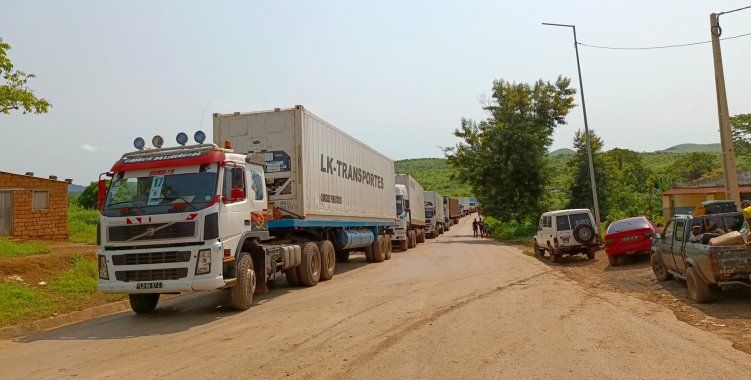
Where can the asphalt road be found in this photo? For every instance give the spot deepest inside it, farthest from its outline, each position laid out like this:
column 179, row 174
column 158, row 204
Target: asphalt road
column 454, row 307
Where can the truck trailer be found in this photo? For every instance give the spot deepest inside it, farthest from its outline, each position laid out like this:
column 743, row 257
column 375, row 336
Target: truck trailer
column 280, row 193
column 447, row 222
column 410, row 210
column 434, row 214
column 455, row 211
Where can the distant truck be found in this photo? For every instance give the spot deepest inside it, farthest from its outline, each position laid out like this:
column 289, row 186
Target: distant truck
column 455, row 211
column 293, row 196
column 472, row 205
column 680, row 252
column 465, row 206
column 434, row 214
column 410, row 210
column 447, row 222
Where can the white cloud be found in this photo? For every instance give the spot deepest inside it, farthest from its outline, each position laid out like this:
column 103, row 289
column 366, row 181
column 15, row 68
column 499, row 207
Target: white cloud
column 89, row 148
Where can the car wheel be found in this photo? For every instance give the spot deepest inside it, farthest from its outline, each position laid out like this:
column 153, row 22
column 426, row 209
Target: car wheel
column 539, row 251
column 698, row 290
column 659, row 268
column 613, row 260
column 555, row 257
column 590, row 255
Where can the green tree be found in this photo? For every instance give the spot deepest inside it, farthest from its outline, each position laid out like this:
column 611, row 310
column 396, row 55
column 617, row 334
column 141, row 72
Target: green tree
column 740, row 126
column 580, row 190
column 503, row 158
column 692, row 166
column 14, row 94
column 88, row 198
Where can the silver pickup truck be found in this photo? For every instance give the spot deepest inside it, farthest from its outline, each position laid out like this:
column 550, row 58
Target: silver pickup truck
column 704, row 267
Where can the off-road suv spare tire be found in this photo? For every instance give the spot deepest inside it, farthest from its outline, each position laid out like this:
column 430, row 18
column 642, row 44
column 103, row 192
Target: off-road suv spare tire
column 584, row 233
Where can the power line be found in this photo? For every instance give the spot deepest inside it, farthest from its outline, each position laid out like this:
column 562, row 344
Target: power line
column 661, row 47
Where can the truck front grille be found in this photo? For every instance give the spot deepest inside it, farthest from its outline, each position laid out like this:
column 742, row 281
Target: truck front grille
column 151, row 258
column 151, row 274
column 158, row 231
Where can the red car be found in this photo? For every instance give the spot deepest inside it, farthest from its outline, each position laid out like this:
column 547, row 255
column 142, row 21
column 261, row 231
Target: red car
column 628, row 236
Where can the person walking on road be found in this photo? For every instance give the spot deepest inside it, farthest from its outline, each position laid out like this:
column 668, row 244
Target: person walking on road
column 481, row 227
column 474, row 227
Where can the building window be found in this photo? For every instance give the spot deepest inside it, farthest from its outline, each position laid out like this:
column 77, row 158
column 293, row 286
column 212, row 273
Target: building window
column 40, row 200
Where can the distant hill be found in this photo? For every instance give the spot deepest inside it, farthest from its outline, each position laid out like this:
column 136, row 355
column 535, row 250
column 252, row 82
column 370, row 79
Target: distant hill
column 693, row 148
column 73, row 188
column 562, row 152
column 434, row 174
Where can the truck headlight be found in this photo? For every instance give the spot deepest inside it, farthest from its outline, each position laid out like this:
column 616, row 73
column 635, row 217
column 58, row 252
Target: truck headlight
column 104, row 273
column 203, row 265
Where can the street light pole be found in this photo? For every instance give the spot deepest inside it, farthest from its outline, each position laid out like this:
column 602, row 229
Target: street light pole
column 586, row 126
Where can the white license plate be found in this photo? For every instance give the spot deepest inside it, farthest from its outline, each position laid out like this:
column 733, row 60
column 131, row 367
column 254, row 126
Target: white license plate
column 149, row 285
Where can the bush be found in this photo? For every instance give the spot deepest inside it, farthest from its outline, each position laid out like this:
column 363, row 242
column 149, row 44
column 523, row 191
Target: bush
column 82, row 224
column 512, row 232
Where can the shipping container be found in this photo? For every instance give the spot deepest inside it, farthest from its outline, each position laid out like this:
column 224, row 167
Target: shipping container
column 314, row 172
column 454, row 210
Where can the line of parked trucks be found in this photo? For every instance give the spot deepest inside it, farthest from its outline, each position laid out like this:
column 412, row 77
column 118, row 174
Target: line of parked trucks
column 279, row 193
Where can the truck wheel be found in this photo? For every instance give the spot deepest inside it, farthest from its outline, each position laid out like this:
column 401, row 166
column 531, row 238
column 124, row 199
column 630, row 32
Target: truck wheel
column 342, row 256
column 403, row 246
column 328, row 259
column 245, row 283
column 387, row 244
column 421, row 236
column 291, row 275
column 143, row 302
column 448, row 227
column 379, row 253
column 309, row 270
column 369, row 253
column 659, row 268
column 411, row 241
column 698, row 290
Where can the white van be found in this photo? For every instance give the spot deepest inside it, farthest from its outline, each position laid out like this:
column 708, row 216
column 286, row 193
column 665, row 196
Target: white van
column 567, row 232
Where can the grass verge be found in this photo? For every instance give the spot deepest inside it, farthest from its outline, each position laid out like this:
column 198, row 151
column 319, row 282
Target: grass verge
column 15, row 249
column 19, row 302
column 82, row 224
column 79, row 282
column 511, row 232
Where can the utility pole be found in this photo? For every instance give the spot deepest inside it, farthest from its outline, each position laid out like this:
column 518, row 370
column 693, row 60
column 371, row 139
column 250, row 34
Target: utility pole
column 728, row 150
column 586, row 127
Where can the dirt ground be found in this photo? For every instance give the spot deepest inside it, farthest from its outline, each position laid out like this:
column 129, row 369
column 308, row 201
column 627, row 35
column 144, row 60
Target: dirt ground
column 728, row 315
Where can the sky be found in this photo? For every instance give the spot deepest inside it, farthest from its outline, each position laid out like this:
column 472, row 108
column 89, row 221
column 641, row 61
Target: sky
column 397, row 75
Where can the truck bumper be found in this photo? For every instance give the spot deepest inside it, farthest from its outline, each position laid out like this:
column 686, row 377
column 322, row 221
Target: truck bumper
column 399, row 235
column 159, row 270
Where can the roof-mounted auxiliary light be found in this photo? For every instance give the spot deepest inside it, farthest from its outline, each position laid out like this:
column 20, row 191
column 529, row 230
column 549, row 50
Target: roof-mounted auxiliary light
column 157, row 141
column 182, row 138
column 200, row 137
column 139, row 143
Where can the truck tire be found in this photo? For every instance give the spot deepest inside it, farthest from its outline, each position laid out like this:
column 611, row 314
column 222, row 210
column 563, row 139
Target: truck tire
column 403, row 245
column 584, row 233
column 142, row 303
column 309, row 271
column 387, row 243
column 421, row 236
column 411, row 241
column 659, row 268
column 292, row 278
column 613, row 260
column 448, row 227
column 328, row 259
column 245, row 283
column 379, row 249
column 698, row 290
column 369, row 253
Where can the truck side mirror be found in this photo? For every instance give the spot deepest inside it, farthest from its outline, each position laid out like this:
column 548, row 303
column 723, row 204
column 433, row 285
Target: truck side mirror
column 101, row 193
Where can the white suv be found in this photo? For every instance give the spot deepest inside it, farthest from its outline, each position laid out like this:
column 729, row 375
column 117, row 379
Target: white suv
column 567, row 232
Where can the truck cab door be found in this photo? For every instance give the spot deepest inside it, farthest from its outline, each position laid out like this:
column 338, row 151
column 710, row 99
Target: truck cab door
column 257, row 198
column 234, row 217
column 679, row 242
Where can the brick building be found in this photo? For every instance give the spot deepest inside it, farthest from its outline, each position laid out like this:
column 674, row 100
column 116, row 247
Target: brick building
column 33, row 208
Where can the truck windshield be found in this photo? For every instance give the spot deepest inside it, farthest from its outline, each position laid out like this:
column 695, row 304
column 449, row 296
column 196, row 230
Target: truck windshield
column 399, row 205
column 161, row 191
column 429, row 213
